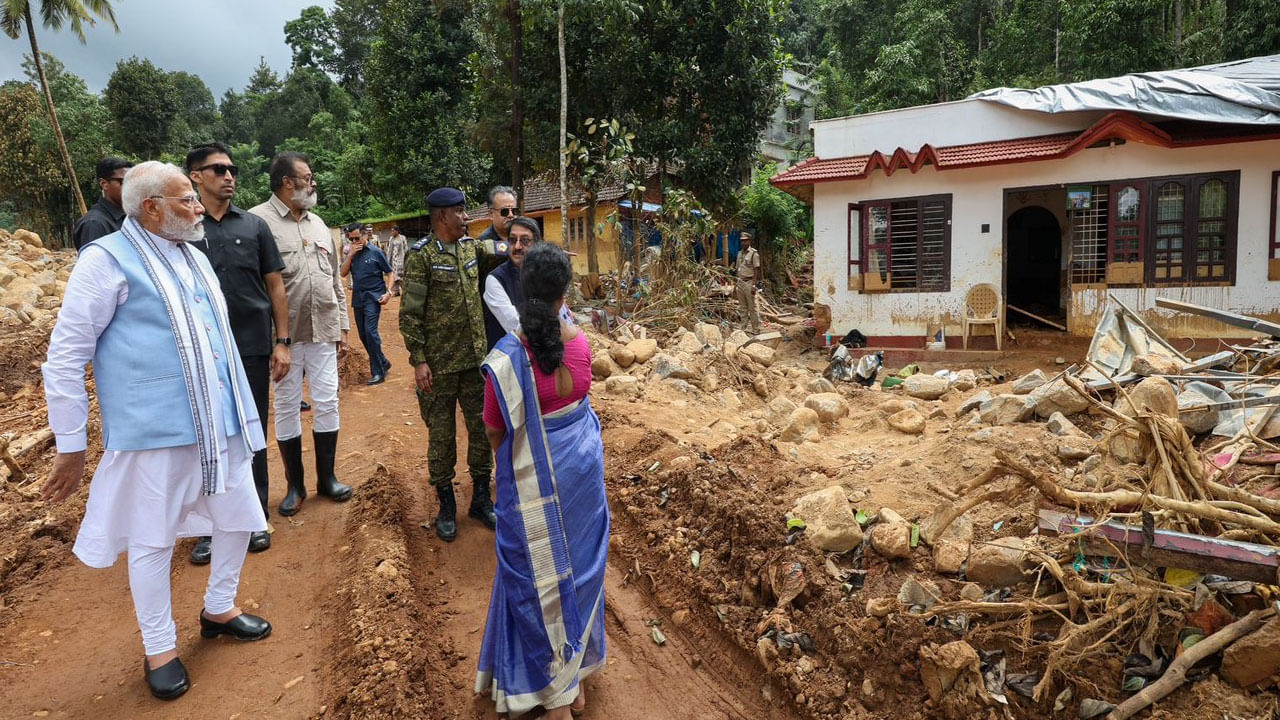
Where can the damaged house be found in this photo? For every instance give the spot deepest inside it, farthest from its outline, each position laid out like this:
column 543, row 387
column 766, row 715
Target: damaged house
column 1145, row 185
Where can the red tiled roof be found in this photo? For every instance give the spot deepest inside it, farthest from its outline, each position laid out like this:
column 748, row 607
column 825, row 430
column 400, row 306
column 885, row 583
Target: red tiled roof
column 1115, row 126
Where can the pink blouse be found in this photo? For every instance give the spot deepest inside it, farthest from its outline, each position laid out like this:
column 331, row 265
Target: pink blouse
column 577, row 358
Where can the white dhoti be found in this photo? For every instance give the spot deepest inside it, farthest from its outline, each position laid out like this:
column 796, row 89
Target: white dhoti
column 141, row 501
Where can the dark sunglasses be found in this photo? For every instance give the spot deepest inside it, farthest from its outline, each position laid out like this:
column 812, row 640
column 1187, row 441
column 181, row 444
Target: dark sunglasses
column 221, row 169
column 507, row 212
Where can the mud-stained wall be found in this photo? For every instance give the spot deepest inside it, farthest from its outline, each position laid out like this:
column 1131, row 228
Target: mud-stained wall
column 978, row 198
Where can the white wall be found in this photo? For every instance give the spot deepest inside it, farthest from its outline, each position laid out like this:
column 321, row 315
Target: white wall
column 978, row 197
column 943, row 125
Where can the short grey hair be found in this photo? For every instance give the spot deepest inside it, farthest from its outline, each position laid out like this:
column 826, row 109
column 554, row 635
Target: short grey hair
column 497, row 190
column 146, row 180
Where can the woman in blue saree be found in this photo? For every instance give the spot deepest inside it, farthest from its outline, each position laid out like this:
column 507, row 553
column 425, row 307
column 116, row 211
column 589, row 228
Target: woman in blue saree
column 545, row 629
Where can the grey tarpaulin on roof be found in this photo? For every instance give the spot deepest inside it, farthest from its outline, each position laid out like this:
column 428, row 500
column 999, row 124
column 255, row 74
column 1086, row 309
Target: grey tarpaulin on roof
column 1243, row 91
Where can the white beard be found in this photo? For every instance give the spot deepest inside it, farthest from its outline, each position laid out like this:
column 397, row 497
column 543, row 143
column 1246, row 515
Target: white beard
column 305, row 199
column 176, row 229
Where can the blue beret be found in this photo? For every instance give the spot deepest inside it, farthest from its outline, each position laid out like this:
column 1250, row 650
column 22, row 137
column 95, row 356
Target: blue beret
column 446, row 197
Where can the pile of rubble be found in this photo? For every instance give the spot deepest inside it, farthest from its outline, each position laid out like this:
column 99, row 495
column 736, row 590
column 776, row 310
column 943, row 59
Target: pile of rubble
column 32, row 280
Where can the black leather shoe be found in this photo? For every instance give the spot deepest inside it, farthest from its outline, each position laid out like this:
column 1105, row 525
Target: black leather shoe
column 481, row 504
column 376, row 380
column 241, row 627
column 446, row 523
column 202, row 552
column 168, row 681
column 305, row 406
column 259, row 541
column 386, row 367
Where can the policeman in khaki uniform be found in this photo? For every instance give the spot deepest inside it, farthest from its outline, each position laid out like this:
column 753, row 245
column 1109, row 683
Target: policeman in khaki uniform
column 443, row 327
column 749, row 277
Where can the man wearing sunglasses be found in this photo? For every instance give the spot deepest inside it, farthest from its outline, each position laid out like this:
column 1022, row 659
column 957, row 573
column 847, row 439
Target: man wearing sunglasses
column 248, row 265
column 502, row 210
column 107, row 215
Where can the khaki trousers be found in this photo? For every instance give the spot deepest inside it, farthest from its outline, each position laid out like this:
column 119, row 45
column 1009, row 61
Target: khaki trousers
column 747, row 305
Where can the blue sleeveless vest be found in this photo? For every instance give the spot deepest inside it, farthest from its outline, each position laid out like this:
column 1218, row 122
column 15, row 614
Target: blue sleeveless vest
column 141, row 390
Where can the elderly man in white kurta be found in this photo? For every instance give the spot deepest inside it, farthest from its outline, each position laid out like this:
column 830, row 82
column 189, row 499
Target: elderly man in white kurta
column 179, row 424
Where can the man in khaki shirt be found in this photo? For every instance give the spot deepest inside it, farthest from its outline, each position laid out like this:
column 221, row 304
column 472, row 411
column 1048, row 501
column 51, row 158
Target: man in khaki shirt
column 318, row 326
column 749, row 274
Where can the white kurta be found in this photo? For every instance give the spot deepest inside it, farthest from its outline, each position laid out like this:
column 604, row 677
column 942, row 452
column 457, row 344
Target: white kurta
column 143, row 497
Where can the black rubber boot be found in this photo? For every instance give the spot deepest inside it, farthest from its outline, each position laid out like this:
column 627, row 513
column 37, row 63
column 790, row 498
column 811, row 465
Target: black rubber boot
column 291, row 456
column 326, row 483
column 481, row 504
column 447, row 520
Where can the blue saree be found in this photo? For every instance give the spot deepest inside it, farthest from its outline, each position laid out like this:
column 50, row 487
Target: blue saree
column 545, row 629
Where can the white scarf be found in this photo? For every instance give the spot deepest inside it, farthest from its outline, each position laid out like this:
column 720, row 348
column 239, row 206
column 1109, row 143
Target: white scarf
column 199, row 367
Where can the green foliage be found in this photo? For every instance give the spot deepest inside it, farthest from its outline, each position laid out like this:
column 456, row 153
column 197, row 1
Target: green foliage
column 781, row 222
column 418, row 86
column 311, row 39
column 144, row 106
column 32, row 173
column 1251, row 28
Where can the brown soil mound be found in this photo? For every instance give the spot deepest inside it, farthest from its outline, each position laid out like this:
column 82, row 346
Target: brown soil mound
column 387, row 644
column 353, row 368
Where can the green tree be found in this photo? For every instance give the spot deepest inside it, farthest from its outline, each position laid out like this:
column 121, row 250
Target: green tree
column 288, row 112
column 198, row 119
column 593, row 159
column 1132, row 31
column 31, row 173
column 144, row 105
column 15, row 17
column 311, row 39
column 424, row 109
column 1251, row 28
column 781, row 221
column 355, row 25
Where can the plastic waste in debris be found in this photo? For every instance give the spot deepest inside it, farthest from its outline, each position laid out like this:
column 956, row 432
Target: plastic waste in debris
column 868, row 366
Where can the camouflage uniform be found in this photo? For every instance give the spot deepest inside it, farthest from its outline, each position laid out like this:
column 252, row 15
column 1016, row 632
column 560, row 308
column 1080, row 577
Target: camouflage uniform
column 443, row 326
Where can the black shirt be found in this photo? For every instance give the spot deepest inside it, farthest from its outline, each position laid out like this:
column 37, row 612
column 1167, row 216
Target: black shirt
column 243, row 251
column 102, row 219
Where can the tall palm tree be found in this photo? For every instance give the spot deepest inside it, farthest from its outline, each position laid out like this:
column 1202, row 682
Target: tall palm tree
column 15, row 16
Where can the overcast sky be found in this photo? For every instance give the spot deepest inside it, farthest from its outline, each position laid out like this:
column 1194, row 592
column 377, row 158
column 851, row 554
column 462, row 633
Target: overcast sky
column 219, row 40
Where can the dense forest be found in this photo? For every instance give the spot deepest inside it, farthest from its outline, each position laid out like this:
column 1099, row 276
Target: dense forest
column 393, row 97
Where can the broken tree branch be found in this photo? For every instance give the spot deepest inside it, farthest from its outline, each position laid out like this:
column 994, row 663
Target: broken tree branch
column 1176, row 675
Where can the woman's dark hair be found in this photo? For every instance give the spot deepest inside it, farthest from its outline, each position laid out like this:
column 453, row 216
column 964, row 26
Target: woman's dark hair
column 545, row 277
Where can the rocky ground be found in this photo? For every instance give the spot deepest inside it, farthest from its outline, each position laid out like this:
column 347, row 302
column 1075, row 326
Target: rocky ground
column 766, row 558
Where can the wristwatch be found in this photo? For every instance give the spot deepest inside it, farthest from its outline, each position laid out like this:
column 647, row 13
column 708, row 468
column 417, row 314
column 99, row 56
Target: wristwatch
column 284, row 341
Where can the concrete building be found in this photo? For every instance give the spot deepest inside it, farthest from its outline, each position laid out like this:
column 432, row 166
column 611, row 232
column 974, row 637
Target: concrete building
column 1058, row 197
column 786, row 137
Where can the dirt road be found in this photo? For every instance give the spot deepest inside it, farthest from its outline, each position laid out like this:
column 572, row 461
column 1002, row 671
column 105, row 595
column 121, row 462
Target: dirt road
column 372, row 616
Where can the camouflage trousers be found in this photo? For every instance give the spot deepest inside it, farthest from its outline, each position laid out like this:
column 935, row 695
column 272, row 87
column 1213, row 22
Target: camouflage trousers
column 449, row 390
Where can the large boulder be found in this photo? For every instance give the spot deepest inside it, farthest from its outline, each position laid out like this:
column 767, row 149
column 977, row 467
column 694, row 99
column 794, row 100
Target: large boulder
column 46, row 281
column 1201, row 421
column 708, row 334
column 1253, row 658
column 952, row 549
column 1152, row 395
column 909, row 421
column 602, row 366
column 28, row 237
column 830, row 524
column 759, row 353
column 1057, row 396
column 925, row 387
column 6, row 275
column 622, row 385
column 973, row 402
column 1127, row 445
column 1153, row 364
column 779, row 410
column 829, row 406
column 622, row 355
column 820, row 385
column 1000, row 563
column 689, row 343
column 803, row 424
column 953, row 670
column 666, row 366
column 1029, row 382
column 21, row 291
column 892, row 539
column 1075, row 447
column 965, row 380
column 1005, row 409
column 643, row 349
column 1059, row 425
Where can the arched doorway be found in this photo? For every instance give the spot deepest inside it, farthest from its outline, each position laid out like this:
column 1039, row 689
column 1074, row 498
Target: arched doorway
column 1034, row 263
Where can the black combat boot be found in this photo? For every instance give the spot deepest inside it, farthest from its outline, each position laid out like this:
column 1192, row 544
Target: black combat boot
column 447, row 520
column 291, row 456
column 481, row 504
column 326, row 483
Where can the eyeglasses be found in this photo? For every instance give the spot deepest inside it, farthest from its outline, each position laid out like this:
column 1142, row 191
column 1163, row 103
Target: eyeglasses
column 506, row 212
column 220, row 169
column 189, row 200
column 305, row 179
column 525, row 241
